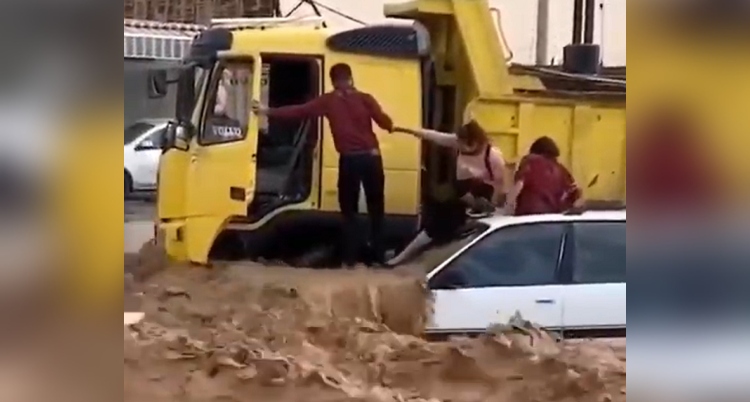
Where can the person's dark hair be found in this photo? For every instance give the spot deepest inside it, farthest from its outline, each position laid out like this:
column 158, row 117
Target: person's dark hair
column 473, row 133
column 340, row 71
column 545, row 146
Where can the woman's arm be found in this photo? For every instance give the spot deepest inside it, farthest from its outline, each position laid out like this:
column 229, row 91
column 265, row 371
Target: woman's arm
column 518, row 183
column 499, row 195
column 512, row 197
column 443, row 139
column 573, row 196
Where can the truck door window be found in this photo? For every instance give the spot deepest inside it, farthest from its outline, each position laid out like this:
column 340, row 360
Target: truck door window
column 522, row 255
column 599, row 252
column 227, row 110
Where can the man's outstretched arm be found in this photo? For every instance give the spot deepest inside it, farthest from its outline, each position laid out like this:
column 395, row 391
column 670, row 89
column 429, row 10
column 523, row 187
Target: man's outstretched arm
column 377, row 114
column 313, row 108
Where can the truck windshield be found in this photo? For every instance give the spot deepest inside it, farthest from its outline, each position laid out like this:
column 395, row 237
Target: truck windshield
column 135, row 130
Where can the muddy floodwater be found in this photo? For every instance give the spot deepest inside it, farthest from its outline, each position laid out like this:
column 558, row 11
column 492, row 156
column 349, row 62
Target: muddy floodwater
column 245, row 332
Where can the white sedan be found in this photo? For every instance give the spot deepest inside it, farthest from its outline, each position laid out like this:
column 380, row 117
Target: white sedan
column 566, row 273
column 142, row 152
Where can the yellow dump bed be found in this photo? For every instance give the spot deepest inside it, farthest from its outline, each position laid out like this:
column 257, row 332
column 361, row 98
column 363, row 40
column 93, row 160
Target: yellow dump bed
column 516, row 104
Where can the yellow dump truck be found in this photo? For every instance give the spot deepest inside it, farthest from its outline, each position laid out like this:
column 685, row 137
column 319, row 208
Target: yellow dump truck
column 233, row 184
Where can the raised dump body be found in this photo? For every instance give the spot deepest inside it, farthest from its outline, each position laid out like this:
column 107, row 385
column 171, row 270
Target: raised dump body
column 262, row 186
column 517, row 104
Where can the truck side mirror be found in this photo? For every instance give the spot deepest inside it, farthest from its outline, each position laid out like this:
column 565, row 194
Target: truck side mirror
column 157, row 83
column 176, row 135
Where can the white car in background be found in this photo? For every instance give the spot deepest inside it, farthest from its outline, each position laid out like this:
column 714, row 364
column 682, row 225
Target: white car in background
column 565, row 273
column 142, row 153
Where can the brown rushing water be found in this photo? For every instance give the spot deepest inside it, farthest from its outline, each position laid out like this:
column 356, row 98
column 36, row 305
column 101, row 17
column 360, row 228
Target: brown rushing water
column 246, row 332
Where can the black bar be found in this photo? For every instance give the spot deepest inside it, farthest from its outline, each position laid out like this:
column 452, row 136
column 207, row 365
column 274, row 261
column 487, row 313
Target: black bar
column 577, row 21
column 588, row 30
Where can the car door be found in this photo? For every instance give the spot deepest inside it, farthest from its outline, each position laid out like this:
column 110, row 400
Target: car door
column 595, row 297
column 511, row 269
column 221, row 175
column 146, row 153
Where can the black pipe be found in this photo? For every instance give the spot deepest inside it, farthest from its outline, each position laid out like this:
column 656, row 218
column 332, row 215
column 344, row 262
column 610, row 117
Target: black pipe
column 577, row 21
column 588, row 30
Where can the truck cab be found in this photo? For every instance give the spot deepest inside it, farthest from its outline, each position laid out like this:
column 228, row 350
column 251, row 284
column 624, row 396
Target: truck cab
column 230, row 175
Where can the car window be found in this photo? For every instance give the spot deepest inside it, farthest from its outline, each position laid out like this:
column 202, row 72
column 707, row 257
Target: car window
column 437, row 254
column 135, row 130
column 155, row 138
column 599, row 252
column 520, row 255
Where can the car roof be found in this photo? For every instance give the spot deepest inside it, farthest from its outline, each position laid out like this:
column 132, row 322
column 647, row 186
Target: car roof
column 503, row 220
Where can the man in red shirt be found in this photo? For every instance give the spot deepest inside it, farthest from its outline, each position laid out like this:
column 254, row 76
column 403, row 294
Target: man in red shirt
column 350, row 114
column 542, row 184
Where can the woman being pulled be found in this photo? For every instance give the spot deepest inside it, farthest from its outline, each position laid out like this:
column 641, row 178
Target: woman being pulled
column 480, row 172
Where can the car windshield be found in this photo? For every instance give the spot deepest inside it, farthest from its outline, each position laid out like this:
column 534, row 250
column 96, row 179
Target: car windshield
column 436, row 255
column 135, row 130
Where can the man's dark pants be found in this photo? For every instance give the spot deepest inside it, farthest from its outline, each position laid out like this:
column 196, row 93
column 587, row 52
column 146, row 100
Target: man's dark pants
column 365, row 170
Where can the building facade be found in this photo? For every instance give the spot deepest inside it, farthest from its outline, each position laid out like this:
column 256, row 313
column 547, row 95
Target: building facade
column 151, row 45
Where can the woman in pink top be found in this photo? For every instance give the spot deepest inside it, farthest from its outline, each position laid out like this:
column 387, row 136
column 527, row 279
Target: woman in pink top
column 480, row 171
column 480, row 167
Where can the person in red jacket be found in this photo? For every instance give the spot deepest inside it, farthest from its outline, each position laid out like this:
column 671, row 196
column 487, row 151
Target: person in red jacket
column 350, row 114
column 542, row 184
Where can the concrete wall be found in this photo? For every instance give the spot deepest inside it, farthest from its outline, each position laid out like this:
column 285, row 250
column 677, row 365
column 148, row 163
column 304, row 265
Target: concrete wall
column 518, row 22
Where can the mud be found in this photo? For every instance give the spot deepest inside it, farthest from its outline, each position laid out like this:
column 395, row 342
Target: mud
column 246, row 332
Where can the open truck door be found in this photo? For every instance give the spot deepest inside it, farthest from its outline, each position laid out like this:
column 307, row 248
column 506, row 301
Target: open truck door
column 220, row 161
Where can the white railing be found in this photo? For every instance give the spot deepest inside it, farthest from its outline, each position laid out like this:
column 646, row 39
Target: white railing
column 171, row 41
column 157, row 40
